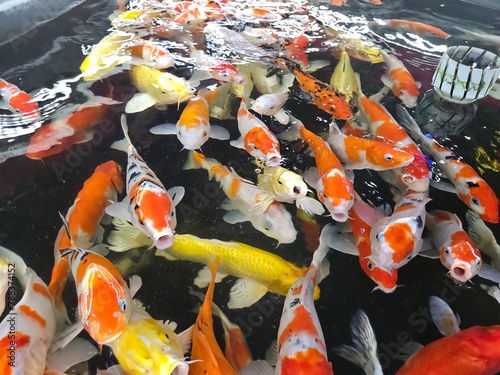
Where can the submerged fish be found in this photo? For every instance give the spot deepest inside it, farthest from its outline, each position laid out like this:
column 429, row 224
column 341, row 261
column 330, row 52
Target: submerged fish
column 414, row 27
column 344, row 79
column 15, row 100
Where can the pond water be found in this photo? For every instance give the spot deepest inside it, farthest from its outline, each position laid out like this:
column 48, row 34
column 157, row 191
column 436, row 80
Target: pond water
column 45, row 61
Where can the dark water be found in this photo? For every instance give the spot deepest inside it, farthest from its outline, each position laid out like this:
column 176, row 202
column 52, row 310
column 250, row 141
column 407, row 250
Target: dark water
column 33, row 192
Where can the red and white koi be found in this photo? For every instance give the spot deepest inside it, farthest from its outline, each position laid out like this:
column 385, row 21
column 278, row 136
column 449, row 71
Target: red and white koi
column 104, row 299
column 247, row 201
column 362, row 153
column 323, row 95
column 456, row 249
column 256, row 137
column 416, row 175
column 470, row 187
column 396, row 239
column 333, row 188
column 148, row 205
column 13, row 99
column 361, row 218
column 153, row 54
column 193, row 128
column 400, row 80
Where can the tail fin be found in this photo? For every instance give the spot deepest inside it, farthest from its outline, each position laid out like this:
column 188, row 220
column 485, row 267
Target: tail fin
column 443, row 317
column 194, row 160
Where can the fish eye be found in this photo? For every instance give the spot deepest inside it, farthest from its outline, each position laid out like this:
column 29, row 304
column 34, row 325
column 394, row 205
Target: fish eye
column 409, row 256
column 205, row 133
column 123, row 305
column 401, row 92
column 476, row 201
column 378, row 236
column 447, row 250
column 388, row 157
column 323, row 195
column 279, row 182
column 478, row 262
column 370, row 266
column 164, row 92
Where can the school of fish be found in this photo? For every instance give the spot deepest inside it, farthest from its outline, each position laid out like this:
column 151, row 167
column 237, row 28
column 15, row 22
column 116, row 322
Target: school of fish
column 256, row 91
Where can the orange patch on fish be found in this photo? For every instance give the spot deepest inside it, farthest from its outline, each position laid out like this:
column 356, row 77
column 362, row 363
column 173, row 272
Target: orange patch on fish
column 41, row 289
column 234, row 188
column 308, row 362
column 33, row 314
column 405, row 82
column 148, row 201
column 259, row 138
column 400, row 238
column 301, row 322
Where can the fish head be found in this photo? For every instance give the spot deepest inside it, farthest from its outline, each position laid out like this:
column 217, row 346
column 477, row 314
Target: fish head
column 289, row 185
column 388, row 156
column 193, row 137
column 276, row 222
column 226, row 72
column 461, row 257
column 155, row 214
column 407, row 91
column 104, row 301
column 261, row 143
column 147, row 346
column 415, row 175
column 481, row 199
column 335, row 191
column 269, row 104
column 170, row 89
column 385, row 279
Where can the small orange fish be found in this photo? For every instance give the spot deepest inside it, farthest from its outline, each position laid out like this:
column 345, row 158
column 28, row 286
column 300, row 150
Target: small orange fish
column 296, row 49
column 83, row 220
column 77, row 127
column 457, row 251
column 18, row 101
column 323, row 95
column 333, row 188
column 413, row 26
column 206, row 353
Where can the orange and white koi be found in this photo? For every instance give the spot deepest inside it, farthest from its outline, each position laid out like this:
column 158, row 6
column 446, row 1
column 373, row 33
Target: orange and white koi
column 188, row 13
column 301, row 344
column 153, row 55
column 259, row 15
column 206, row 353
column 29, row 330
column 400, row 80
column 362, row 153
column 211, row 67
column 416, row 175
column 247, row 202
column 473, row 190
column 413, row 26
column 323, row 95
column 148, row 205
column 13, row 99
column 256, row 137
column 396, row 239
column 457, row 251
column 271, row 105
column 77, row 127
column 361, row 219
column 83, row 219
column 104, row 299
column 333, row 188
column 193, row 128
column 295, row 49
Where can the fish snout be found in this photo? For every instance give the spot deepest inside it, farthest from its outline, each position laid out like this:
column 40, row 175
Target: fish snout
column 460, row 273
column 340, row 216
column 164, row 241
column 273, row 161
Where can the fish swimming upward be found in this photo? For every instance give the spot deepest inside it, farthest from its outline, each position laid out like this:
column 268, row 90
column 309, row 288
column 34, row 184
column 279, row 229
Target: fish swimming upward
column 473, row 190
column 193, row 128
column 323, row 95
column 344, row 79
column 456, row 249
column 148, row 205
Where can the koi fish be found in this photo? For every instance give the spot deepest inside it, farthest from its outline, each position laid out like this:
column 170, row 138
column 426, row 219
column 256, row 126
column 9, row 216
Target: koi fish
column 104, row 299
column 362, row 153
column 344, row 79
column 443, row 317
column 363, row 353
column 310, row 228
column 258, row 271
column 211, row 67
column 470, row 187
column 148, row 205
column 361, row 219
column 206, row 353
column 156, row 87
column 333, row 188
column 400, row 80
column 153, row 54
column 256, row 138
column 106, row 55
column 193, row 128
column 323, row 95
column 296, row 49
column 396, row 239
column 355, row 46
column 13, row 99
column 83, row 220
column 77, row 127
column 416, row 175
column 157, row 349
column 412, row 26
column 483, row 237
column 457, row 251
column 271, row 105
column 29, row 329
column 287, row 186
column 247, row 201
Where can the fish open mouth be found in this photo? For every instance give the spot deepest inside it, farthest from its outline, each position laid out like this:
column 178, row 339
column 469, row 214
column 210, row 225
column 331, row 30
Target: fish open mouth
column 460, row 274
column 273, row 161
column 164, row 241
column 340, row 216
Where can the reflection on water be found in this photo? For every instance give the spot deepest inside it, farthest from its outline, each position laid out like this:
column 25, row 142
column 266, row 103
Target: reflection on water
column 46, row 61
